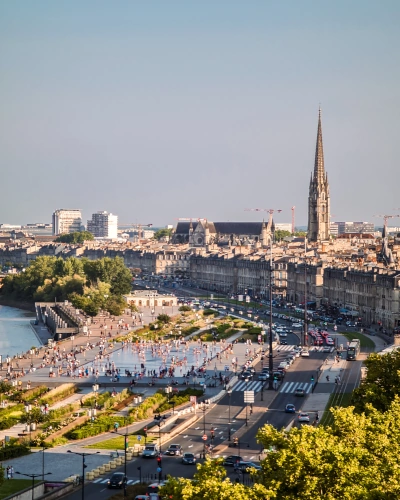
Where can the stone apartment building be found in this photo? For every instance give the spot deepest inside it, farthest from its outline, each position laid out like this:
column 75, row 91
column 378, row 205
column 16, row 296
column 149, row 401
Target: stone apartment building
column 305, row 281
column 372, row 294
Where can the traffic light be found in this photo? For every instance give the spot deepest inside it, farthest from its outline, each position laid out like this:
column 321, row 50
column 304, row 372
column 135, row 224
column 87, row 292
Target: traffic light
column 145, row 431
column 312, row 378
column 159, row 460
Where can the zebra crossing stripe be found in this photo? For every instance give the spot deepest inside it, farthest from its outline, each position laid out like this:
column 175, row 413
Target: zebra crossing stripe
column 290, row 387
column 98, row 480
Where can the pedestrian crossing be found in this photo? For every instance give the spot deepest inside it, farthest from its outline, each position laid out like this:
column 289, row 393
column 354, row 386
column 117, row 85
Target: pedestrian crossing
column 289, row 387
column 101, row 480
column 282, row 348
column 249, row 386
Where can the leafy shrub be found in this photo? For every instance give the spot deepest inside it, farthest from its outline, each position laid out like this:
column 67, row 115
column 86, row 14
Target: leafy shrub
column 14, row 450
column 185, row 309
column 209, row 312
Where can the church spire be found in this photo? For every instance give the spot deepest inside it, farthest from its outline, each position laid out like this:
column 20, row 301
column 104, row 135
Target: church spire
column 319, row 168
column 319, row 199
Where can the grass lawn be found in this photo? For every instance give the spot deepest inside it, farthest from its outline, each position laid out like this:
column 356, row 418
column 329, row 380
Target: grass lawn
column 117, row 443
column 335, row 400
column 364, row 340
column 12, row 486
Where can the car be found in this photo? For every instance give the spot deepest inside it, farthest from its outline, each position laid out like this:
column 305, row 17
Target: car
column 117, row 480
column 303, row 417
column 263, row 377
column 174, row 449
column 284, row 364
column 150, row 451
column 251, row 369
column 297, row 325
column 245, row 375
column 283, row 342
column 246, row 466
column 289, row 408
column 232, row 460
column 305, row 353
column 300, row 392
column 188, row 459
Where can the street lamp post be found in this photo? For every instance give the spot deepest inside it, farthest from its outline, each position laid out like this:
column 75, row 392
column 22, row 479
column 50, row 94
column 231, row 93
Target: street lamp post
column 247, row 405
column 270, row 352
column 33, row 476
column 305, row 331
column 229, row 392
column 28, row 409
column 204, row 409
column 83, row 455
column 116, row 425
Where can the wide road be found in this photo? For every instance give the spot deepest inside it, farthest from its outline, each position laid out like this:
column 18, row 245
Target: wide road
column 218, row 418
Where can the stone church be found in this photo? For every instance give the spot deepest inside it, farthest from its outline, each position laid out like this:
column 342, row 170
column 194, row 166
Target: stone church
column 318, row 199
column 202, row 233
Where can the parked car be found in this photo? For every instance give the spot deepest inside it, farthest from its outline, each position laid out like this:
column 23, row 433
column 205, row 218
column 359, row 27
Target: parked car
column 289, row 408
column 188, row 459
column 305, row 353
column 117, row 480
column 174, row 449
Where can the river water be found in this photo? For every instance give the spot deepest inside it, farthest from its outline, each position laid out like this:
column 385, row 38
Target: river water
column 16, row 334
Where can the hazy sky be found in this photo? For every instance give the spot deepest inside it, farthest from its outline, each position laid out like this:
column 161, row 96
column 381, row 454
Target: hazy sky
column 156, row 110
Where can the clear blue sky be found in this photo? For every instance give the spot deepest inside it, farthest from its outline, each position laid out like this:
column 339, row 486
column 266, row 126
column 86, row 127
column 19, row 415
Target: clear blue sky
column 155, row 110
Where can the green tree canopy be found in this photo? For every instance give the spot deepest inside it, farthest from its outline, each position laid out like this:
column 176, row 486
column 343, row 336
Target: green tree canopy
column 77, row 237
column 90, row 285
column 382, row 382
column 162, row 233
column 357, row 458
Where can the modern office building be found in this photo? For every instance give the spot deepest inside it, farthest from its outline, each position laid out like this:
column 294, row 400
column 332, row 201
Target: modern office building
column 338, row 228
column 103, row 225
column 67, row 221
column 283, row 226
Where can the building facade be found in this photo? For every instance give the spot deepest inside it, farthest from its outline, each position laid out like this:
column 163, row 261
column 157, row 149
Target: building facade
column 370, row 294
column 338, row 228
column 318, row 197
column 103, row 225
column 66, row 221
column 203, row 233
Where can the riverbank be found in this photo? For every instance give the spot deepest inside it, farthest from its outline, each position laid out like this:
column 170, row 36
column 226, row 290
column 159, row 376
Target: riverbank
column 18, row 304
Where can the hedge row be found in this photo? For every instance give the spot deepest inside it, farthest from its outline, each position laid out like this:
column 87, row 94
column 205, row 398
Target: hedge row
column 13, row 450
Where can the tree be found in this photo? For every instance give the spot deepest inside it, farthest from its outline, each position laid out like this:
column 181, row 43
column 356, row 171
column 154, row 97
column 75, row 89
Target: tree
column 163, row 233
column 210, row 482
column 163, row 318
column 280, row 234
column 76, row 237
column 382, row 382
column 357, row 458
column 300, row 234
column 185, row 309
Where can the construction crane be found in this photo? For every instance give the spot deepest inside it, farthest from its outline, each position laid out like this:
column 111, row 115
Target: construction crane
column 293, row 218
column 271, row 211
column 385, row 219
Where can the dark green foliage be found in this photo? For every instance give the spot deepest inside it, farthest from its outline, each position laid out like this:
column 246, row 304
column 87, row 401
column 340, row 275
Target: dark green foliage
column 77, row 237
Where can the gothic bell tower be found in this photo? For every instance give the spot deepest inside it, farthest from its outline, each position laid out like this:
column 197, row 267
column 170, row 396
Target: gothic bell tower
column 318, row 198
